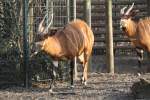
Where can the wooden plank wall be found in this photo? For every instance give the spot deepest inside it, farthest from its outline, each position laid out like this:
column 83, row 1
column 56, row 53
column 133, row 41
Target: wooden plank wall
column 98, row 21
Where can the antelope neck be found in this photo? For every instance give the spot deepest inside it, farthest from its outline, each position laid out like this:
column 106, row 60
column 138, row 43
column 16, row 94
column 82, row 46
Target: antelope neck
column 43, row 45
column 131, row 30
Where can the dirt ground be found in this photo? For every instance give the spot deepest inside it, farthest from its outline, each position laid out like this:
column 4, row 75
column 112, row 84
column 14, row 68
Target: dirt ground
column 101, row 86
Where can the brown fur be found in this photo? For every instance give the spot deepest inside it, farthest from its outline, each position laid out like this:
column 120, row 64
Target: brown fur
column 139, row 33
column 76, row 39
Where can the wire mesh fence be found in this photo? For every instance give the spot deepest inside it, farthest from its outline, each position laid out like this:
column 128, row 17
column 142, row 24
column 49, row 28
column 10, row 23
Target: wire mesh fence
column 11, row 28
column 11, row 33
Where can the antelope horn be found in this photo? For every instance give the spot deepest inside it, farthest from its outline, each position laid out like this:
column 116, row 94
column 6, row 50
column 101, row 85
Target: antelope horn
column 128, row 11
column 122, row 10
column 41, row 28
column 51, row 20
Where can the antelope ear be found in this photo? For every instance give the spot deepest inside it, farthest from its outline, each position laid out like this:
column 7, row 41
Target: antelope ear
column 134, row 12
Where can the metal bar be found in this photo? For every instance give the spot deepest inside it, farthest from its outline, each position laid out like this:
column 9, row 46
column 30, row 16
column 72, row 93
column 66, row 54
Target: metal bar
column 47, row 12
column 74, row 9
column 68, row 11
column 72, row 15
column 52, row 11
column 31, row 22
column 109, row 38
column 75, row 59
column 25, row 44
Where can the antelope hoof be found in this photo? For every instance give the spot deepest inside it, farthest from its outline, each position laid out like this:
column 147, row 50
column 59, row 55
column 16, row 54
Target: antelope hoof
column 82, row 80
column 139, row 74
column 72, row 86
column 84, row 83
column 51, row 90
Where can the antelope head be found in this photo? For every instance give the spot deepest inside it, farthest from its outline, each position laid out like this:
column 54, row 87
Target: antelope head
column 42, row 34
column 126, row 17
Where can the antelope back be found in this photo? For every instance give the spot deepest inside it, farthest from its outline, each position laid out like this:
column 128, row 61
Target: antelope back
column 76, row 36
column 143, row 30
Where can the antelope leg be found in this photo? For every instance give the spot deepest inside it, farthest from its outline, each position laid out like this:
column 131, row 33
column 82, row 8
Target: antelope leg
column 71, row 71
column 140, row 58
column 53, row 74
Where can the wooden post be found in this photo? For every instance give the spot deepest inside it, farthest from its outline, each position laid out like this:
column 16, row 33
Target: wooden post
column 25, row 44
column 87, row 14
column 148, row 14
column 109, row 38
column 148, row 7
column 87, row 18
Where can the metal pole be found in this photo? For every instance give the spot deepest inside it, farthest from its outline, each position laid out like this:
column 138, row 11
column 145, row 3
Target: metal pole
column 31, row 18
column 75, row 59
column 74, row 9
column 47, row 12
column 25, row 44
column 72, row 16
column 52, row 11
column 68, row 11
column 109, row 37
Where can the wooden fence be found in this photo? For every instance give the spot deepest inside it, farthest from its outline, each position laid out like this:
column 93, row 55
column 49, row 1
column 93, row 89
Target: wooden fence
column 99, row 22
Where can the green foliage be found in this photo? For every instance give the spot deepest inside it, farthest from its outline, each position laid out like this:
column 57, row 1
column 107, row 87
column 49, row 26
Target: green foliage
column 11, row 42
column 10, row 36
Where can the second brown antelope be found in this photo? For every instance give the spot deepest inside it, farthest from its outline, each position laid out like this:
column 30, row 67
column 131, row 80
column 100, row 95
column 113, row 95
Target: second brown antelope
column 137, row 31
column 76, row 39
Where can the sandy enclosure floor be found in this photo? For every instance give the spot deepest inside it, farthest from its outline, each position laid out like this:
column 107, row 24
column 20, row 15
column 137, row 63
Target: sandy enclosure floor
column 100, row 87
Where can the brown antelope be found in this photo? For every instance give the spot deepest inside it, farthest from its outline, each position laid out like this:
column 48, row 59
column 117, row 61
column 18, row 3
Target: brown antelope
column 74, row 40
column 137, row 31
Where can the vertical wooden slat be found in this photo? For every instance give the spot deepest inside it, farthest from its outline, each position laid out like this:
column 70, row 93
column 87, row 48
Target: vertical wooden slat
column 148, row 7
column 87, row 14
column 109, row 38
column 87, row 18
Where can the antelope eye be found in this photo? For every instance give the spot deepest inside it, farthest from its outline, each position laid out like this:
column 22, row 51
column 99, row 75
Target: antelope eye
column 38, row 38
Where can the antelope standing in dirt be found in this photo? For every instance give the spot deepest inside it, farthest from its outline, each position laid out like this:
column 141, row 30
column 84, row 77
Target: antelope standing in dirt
column 137, row 31
column 74, row 40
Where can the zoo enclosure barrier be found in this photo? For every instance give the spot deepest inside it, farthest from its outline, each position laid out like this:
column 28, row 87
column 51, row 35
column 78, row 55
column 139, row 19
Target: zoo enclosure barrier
column 11, row 28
